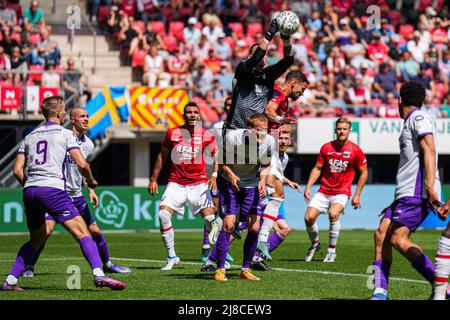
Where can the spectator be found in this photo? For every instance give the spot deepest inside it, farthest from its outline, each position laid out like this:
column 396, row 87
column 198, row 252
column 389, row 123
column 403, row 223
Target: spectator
column 191, row 34
column 212, row 30
column 417, row 48
column 129, row 7
column 272, row 55
column 212, row 62
column 367, row 79
column 429, row 108
column 177, row 67
column 355, row 53
column 424, row 78
column 344, row 33
column 7, row 42
column 47, row 50
column 322, row 46
column 445, row 108
column 407, row 69
column 152, row 38
column 385, row 81
column 8, row 17
column 33, row 17
column 210, row 16
column 200, row 50
column 114, row 19
column 444, row 65
column 377, row 51
column 389, row 109
column 50, row 78
column 153, row 68
column 75, row 85
column 5, row 65
column 222, row 48
column 19, row 66
column 358, row 95
column 219, row 92
column 314, row 22
column 300, row 51
column 202, row 80
column 439, row 35
column 345, row 79
column 94, row 5
column 225, row 76
column 149, row 10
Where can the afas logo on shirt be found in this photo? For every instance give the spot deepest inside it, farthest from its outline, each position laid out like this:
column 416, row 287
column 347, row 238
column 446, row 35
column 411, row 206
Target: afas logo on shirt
column 337, row 165
column 187, row 152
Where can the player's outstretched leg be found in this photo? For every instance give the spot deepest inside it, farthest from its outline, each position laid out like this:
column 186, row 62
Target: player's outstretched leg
column 313, row 232
column 168, row 237
column 442, row 265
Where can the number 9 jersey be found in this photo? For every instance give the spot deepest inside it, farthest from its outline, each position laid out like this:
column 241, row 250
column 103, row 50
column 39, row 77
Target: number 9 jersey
column 45, row 150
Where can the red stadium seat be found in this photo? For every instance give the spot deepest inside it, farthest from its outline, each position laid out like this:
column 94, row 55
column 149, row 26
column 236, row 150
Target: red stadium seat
column 238, row 28
column 35, row 38
column 139, row 25
column 185, row 12
column 16, row 36
column 59, row 69
column 394, row 16
column 36, row 76
column 167, row 12
column 254, row 28
column 376, row 102
column 138, row 58
column 406, row 31
column 176, row 29
column 209, row 114
column 158, row 27
column 170, row 42
column 230, row 42
column 103, row 13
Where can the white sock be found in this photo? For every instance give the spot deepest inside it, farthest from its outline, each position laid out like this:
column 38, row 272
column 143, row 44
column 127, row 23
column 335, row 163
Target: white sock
column 206, row 246
column 335, row 227
column 208, row 219
column 313, row 232
column 442, row 269
column 98, row 272
column 167, row 233
column 269, row 217
column 11, row 280
column 109, row 264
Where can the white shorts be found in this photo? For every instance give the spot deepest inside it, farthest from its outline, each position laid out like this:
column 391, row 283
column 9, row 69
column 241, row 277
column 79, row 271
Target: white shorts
column 275, row 171
column 197, row 197
column 322, row 202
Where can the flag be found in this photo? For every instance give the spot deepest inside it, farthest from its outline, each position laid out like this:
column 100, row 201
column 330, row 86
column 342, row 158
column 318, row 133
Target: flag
column 109, row 107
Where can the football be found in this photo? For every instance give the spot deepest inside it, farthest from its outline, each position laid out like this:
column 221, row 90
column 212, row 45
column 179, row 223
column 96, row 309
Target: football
column 288, row 23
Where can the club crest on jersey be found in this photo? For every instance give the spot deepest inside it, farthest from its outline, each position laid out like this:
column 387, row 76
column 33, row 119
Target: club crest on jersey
column 347, row 154
column 337, row 165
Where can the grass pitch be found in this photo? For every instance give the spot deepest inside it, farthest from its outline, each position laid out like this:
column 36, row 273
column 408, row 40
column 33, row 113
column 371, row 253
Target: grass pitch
column 293, row 278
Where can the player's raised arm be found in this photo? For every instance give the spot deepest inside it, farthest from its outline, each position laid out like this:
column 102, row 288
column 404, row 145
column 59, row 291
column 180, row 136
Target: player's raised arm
column 364, row 175
column 19, row 167
column 275, row 71
column 428, row 148
column 160, row 160
column 83, row 166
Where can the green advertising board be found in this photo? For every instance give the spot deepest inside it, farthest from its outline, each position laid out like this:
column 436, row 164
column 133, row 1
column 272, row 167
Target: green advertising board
column 120, row 208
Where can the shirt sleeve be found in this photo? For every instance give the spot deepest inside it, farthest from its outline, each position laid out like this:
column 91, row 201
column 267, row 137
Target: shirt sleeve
column 360, row 160
column 22, row 148
column 276, row 97
column 167, row 141
column 421, row 126
column 321, row 157
column 71, row 140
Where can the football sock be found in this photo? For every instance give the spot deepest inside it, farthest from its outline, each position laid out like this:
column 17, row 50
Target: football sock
column 381, row 275
column 167, row 233
column 36, row 255
column 425, row 267
column 274, row 241
column 90, row 252
column 23, row 258
column 335, row 228
column 102, row 248
column 269, row 217
column 223, row 245
column 208, row 219
column 251, row 241
column 442, row 269
column 313, row 232
column 205, row 237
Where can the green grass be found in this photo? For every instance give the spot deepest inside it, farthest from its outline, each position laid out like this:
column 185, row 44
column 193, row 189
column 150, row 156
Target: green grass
column 185, row 281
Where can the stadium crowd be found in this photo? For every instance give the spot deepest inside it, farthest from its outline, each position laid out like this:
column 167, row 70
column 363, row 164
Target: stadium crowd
column 354, row 67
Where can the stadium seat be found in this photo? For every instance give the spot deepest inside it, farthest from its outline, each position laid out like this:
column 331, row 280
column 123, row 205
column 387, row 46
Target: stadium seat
column 16, row 36
column 159, row 27
column 140, row 25
column 170, row 42
column 35, row 38
column 238, row 28
column 230, row 42
column 185, row 12
column 17, row 8
column 59, row 69
column 167, row 12
column 176, row 29
column 394, row 16
column 254, row 28
column 209, row 114
column 103, row 13
column 406, row 31
column 376, row 102
column 36, row 77
column 138, row 58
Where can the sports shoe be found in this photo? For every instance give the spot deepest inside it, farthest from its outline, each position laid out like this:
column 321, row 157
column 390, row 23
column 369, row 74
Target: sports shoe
column 171, row 261
column 115, row 285
column 204, row 256
column 8, row 287
column 263, row 248
column 315, row 247
column 214, row 232
column 260, row 266
column 227, row 265
column 248, row 275
column 208, row 268
column 220, row 275
column 379, row 296
column 117, row 269
column 229, row 258
column 29, row 272
column 330, row 257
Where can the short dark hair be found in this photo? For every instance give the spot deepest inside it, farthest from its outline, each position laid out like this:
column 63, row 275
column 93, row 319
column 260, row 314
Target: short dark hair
column 51, row 105
column 190, row 104
column 412, row 93
column 297, row 75
column 255, row 117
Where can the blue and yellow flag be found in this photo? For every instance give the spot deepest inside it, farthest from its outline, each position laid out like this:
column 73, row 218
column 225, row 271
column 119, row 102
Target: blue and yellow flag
column 107, row 108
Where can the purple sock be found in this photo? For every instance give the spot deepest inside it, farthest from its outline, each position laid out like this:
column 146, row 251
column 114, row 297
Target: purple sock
column 36, row 255
column 205, row 236
column 223, row 245
column 251, row 241
column 425, row 267
column 102, row 248
column 90, row 252
column 274, row 241
column 24, row 256
column 213, row 254
column 382, row 268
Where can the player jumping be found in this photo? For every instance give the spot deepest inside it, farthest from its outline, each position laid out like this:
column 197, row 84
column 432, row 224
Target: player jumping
column 79, row 119
column 41, row 156
column 188, row 182
column 417, row 192
column 338, row 161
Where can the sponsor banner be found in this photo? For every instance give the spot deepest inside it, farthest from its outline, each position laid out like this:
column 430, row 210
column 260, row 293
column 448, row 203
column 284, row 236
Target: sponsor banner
column 127, row 208
column 10, row 98
column 119, row 208
column 374, row 136
column 157, row 108
column 36, row 94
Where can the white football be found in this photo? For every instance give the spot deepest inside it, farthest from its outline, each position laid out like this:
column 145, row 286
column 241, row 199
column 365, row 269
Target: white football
column 288, row 23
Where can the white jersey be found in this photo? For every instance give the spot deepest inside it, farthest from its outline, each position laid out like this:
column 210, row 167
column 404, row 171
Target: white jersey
column 247, row 156
column 45, row 149
column 278, row 165
column 74, row 177
column 411, row 171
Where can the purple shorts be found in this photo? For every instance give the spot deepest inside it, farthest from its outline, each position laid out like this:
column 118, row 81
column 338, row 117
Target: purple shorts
column 246, row 201
column 408, row 211
column 82, row 207
column 41, row 200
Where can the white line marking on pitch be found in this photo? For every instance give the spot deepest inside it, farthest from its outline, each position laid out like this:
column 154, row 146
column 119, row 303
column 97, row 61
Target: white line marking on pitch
column 333, row 273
